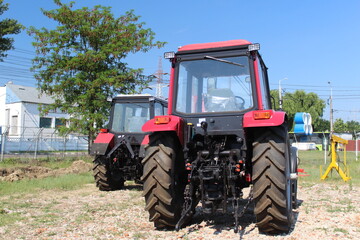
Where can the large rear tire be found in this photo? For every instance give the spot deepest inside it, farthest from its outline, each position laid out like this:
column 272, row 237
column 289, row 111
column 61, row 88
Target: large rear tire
column 164, row 179
column 271, row 180
column 105, row 179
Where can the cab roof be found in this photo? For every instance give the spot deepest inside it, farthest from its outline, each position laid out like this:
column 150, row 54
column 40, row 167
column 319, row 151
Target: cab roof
column 223, row 44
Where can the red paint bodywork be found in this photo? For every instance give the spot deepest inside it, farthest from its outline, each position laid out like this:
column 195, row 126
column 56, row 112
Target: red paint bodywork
column 175, row 125
column 222, row 44
column 105, row 138
column 258, row 87
column 277, row 118
column 171, row 90
column 145, row 140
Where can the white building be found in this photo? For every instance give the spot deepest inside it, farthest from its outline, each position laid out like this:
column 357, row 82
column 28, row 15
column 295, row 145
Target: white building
column 24, row 127
column 20, row 108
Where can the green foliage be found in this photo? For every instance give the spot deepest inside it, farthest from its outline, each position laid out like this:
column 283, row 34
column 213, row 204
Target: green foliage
column 350, row 126
column 323, row 125
column 63, row 182
column 81, row 63
column 300, row 101
column 353, row 126
column 339, row 125
column 53, row 162
column 7, row 26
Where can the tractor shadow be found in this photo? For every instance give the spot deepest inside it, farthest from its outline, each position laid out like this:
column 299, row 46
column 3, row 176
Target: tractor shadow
column 132, row 187
column 221, row 222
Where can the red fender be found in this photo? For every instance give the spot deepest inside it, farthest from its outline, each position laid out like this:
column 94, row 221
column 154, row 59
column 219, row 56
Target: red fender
column 105, row 138
column 145, row 140
column 264, row 118
column 164, row 124
column 102, row 143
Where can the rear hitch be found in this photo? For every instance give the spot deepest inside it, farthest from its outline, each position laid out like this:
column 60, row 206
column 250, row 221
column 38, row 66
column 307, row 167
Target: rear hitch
column 127, row 144
column 189, row 205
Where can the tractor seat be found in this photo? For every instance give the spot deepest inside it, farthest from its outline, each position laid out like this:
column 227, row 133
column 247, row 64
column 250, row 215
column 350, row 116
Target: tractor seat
column 220, row 100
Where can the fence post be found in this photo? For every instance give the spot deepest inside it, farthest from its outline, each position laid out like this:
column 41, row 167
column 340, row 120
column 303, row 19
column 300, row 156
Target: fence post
column 53, row 139
column 356, row 147
column 325, row 143
column 3, row 140
column 22, row 137
column 65, row 136
column 37, row 142
column 3, row 136
column 77, row 145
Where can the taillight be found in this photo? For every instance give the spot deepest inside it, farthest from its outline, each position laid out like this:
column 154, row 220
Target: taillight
column 104, row 130
column 162, row 120
column 248, row 177
column 262, row 115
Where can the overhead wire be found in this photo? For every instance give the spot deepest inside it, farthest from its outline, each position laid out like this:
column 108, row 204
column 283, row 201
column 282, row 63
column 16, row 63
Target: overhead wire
column 16, row 67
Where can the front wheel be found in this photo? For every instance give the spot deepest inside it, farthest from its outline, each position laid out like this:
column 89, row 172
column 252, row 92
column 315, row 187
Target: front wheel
column 163, row 178
column 271, row 180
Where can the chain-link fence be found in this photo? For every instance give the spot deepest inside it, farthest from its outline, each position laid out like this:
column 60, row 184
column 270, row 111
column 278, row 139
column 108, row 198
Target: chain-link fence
column 40, row 141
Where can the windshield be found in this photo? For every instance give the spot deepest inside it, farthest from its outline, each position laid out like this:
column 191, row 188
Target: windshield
column 129, row 117
column 214, row 85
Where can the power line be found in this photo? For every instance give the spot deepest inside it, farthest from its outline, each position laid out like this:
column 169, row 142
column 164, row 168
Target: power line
column 342, row 95
column 315, row 86
column 24, row 51
column 325, row 90
column 18, row 57
column 355, row 111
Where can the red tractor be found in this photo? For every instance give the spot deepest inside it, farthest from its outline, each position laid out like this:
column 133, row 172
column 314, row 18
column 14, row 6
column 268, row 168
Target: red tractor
column 221, row 136
column 118, row 152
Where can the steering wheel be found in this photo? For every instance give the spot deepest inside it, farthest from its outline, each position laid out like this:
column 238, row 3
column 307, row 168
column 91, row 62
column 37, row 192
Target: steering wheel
column 240, row 102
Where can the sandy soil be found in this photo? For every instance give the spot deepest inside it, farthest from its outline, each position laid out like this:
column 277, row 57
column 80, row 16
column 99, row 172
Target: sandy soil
column 326, row 211
column 29, row 172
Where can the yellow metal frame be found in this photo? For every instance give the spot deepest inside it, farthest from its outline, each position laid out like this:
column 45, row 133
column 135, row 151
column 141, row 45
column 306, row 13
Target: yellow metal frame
column 333, row 164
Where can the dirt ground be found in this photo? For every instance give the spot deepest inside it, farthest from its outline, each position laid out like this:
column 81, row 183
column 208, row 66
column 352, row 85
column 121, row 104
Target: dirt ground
column 29, row 172
column 326, row 211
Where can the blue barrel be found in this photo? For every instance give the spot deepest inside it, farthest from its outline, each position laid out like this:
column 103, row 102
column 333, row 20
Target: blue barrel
column 299, row 128
column 300, row 118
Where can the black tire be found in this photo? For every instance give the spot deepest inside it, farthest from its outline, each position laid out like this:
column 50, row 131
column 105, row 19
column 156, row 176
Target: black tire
column 271, row 180
column 163, row 179
column 105, row 179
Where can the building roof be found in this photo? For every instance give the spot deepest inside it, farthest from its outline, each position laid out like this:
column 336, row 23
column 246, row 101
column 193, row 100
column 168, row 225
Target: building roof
column 18, row 93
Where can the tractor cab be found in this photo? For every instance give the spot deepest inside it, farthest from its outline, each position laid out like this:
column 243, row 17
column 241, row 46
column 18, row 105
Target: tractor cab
column 213, row 85
column 130, row 112
column 117, row 149
column 214, row 82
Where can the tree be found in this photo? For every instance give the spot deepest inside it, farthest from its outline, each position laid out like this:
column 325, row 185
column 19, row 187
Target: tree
column 300, row 101
column 7, row 27
column 323, row 125
column 353, row 126
column 340, row 126
column 81, row 63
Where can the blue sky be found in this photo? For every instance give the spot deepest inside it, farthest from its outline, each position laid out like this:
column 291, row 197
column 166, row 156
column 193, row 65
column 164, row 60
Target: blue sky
column 310, row 43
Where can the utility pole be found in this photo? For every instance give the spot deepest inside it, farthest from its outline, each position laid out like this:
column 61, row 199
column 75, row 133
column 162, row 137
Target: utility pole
column 159, row 76
column 331, row 110
column 159, row 80
column 280, row 93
